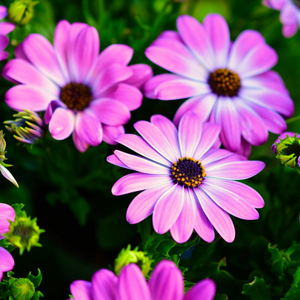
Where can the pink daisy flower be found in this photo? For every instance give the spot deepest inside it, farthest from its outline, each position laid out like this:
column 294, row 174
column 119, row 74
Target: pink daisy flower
column 188, row 184
column 5, row 28
column 289, row 14
column 6, row 260
column 165, row 283
column 83, row 93
column 229, row 83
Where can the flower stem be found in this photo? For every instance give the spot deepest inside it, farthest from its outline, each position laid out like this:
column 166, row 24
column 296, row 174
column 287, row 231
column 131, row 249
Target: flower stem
column 292, row 120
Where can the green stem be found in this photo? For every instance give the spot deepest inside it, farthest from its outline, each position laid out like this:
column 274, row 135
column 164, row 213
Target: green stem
column 292, row 120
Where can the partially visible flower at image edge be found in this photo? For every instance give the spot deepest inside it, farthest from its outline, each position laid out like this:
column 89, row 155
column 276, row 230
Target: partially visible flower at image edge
column 6, row 260
column 82, row 92
column 289, row 14
column 166, row 283
column 188, row 183
column 230, row 84
column 5, row 28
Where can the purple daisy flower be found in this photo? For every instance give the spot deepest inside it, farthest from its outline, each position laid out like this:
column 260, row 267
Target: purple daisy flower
column 165, row 283
column 82, row 92
column 5, row 28
column 6, row 260
column 289, row 14
column 188, row 182
column 230, row 83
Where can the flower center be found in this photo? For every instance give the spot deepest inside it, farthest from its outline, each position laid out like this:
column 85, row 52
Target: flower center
column 297, row 3
column 224, row 82
column 24, row 231
column 292, row 149
column 76, row 96
column 187, row 172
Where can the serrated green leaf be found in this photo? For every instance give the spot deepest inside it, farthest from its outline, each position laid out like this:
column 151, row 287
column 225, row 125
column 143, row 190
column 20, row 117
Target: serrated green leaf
column 294, row 292
column 257, row 289
column 165, row 246
column 36, row 280
column 37, row 295
column 18, row 209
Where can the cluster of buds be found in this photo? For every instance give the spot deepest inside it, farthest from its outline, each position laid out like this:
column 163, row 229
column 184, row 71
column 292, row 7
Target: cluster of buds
column 128, row 256
column 20, row 12
column 28, row 127
column 3, row 165
column 287, row 148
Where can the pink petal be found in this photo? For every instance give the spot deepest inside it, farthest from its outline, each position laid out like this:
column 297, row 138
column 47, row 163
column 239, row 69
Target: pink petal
column 210, row 133
column 27, row 97
column 281, row 103
column 228, row 119
column 112, row 159
column 125, row 93
column 109, row 76
column 169, row 130
column 196, row 39
column 7, row 211
column 132, row 284
column 143, row 204
column 252, row 126
column 183, row 228
column 62, row 123
column 166, row 282
column 168, row 209
column 6, row 262
column 110, row 112
column 4, row 55
column 104, row 285
column 20, row 71
column 175, row 62
column 110, row 133
column 288, row 14
column 258, row 60
column 140, row 164
column 113, row 54
column 232, row 203
column 88, row 128
column 52, row 106
column 81, row 290
column 41, row 54
column 190, row 130
column 171, row 34
column 3, row 12
column 205, row 289
column 141, row 73
column 218, row 32
column 84, row 54
column 6, row 27
column 78, row 142
column 156, row 139
column 215, row 154
column 4, row 41
column 180, row 88
column 246, row 41
column 237, row 170
column 19, row 52
column 217, row 216
column 201, row 105
column 150, row 86
column 245, row 148
column 288, row 30
column 137, row 182
column 140, row 146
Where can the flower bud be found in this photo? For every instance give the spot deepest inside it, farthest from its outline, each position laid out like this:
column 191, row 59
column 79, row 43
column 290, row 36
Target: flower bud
column 20, row 12
column 128, row 256
column 22, row 289
column 28, row 127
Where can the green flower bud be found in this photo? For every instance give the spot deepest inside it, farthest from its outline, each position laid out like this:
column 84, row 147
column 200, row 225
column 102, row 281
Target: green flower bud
column 24, row 233
column 288, row 151
column 20, row 12
column 22, row 289
column 128, row 256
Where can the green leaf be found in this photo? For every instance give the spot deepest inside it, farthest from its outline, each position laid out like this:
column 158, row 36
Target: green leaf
column 18, row 209
column 81, row 208
column 36, row 280
column 221, row 297
column 294, row 292
column 165, row 246
column 257, row 289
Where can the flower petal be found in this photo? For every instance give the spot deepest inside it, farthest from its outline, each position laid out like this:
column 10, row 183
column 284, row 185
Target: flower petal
column 142, row 205
column 78, row 142
column 112, row 159
column 6, row 27
column 110, row 133
column 289, row 30
column 52, row 106
column 8, row 175
column 168, row 209
column 137, row 182
column 62, row 123
column 217, row 216
column 6, row 261
column 132, row 284
column 104, row 285
column 81, row 290
column 141, row 73
column 205, row 289
column 288, row 14
column 215, row 154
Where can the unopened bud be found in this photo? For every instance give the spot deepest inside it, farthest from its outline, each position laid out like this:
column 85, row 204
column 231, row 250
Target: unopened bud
column 22, row 289
column 20, row 12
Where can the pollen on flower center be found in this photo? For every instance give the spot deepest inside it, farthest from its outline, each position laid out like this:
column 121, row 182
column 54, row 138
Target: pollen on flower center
column 187, row 172
column 224, row 82
column 76, row 96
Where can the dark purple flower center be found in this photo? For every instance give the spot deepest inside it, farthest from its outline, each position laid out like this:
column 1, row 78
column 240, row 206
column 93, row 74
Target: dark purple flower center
column 76, row 96
column 292, row 149
column 297, row 3
column 224, row 82
column 187, row 172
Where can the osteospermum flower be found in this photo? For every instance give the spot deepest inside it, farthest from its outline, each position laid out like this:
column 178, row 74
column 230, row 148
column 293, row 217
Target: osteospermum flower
column 165, row 283
column 230, row 83
column 82, row 92
column 289, row 14
column 5, row 28
column 188, row 183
